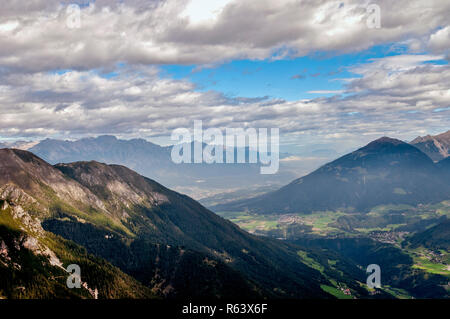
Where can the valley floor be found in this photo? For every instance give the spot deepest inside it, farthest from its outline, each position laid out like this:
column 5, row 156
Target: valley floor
column 387, row 226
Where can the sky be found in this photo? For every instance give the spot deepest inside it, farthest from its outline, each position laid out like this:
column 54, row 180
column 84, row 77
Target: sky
column 323, row 72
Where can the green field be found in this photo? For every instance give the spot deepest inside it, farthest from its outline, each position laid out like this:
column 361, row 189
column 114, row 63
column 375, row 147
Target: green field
column 335, row 292
column 328, row 223
column 319, row 222
column 252, row 222
column 309, row 261
column 424, row 259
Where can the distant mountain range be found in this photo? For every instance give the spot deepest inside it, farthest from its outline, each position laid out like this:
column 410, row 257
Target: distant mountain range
column 154, row 161
column 436, row 147
column 386, row 171
column 199, row 180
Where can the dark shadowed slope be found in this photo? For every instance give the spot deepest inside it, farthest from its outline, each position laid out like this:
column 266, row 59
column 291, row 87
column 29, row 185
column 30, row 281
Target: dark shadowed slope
column 436, row 237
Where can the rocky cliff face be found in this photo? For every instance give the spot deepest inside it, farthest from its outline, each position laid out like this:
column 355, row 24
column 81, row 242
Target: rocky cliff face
column 436, row 147
column 33, row 261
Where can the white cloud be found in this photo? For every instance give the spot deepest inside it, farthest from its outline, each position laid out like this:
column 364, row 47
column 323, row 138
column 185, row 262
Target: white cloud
column 36, row 37
column 396, row 63
column 79, row 103
column 440, row 40
column 9, row 26
column 203, row 11
column 404, row 82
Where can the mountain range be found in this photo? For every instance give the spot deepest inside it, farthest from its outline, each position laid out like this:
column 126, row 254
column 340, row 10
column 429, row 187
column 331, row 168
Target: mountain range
column 107, row 217
column 154, row 161
column 135, row 238
column 386, row 171
column 436, row 147
column 207, row 182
